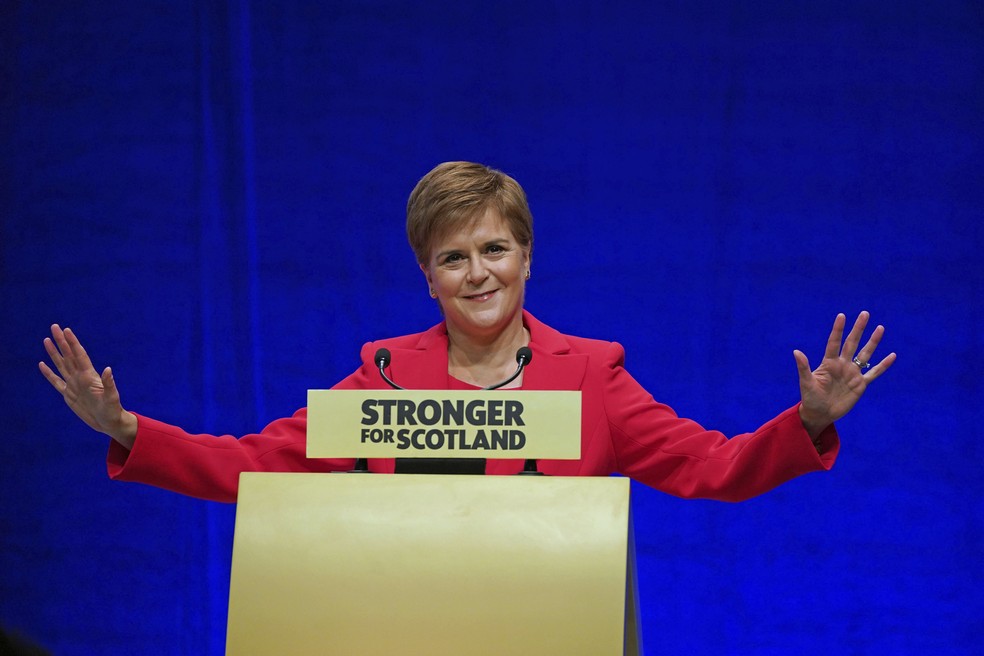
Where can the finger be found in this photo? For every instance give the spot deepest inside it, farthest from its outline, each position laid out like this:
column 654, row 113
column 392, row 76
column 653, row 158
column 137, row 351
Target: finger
column 81, row 357
column 864, row 355
column 802, row 366
column 880, row 368
column 67, row 361
column 854, row 337
column 52, row 377
column 53, row 353
column 834, row 341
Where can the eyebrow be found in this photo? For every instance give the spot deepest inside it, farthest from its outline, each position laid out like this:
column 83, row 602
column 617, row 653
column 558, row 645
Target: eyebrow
column 496, row 241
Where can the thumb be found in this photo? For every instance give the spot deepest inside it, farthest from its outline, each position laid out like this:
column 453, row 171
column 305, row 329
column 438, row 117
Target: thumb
column 109, row 384
column 802, row 366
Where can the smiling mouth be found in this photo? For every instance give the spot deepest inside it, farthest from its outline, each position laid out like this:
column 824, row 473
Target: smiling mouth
column 484, row 296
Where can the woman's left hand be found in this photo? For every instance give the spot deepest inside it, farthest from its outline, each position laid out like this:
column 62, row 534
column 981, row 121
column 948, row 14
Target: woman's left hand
column 831, row 390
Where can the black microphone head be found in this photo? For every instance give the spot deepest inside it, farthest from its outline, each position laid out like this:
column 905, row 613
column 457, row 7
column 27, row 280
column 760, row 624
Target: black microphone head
column 524, row 355
column 382, row 357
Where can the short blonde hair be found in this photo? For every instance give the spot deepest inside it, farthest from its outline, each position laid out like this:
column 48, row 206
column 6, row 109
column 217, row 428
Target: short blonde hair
column 455, row 194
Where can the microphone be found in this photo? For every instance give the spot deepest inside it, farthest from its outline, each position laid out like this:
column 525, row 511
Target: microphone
column 523, row 357
column 382, row 359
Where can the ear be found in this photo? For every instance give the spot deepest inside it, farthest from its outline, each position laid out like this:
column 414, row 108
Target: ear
column 426, row 272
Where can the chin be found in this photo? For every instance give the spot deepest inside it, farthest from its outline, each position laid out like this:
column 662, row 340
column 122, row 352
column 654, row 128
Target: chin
column 486, row 323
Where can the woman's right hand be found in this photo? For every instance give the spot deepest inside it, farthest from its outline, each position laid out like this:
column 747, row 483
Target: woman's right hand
column 92, row 397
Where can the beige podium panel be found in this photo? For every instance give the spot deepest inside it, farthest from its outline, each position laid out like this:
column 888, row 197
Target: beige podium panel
column 416, row 564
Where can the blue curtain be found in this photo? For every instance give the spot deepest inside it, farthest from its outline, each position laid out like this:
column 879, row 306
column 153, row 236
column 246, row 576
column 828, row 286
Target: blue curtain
column 212, row 194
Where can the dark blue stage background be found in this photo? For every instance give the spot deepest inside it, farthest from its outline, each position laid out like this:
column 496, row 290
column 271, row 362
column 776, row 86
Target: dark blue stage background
column 212, row 196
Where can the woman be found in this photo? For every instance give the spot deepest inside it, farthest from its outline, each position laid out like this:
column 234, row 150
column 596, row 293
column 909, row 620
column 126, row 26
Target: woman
column 471, row 230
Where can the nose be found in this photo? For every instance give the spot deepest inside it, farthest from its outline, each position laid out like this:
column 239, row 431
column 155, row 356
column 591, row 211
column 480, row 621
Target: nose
column 477, row 273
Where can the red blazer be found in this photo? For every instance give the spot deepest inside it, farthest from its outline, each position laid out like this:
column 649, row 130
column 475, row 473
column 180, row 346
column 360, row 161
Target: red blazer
column 623, row 430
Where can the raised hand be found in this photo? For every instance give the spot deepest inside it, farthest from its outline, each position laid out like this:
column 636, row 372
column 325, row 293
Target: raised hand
column 831, row 390
column 93, row 397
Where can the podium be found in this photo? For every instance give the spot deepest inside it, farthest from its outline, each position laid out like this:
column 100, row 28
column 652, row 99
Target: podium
column 437, row 565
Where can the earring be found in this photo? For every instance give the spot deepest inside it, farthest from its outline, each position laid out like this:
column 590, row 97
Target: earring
column 527, row 274
column 433, row 293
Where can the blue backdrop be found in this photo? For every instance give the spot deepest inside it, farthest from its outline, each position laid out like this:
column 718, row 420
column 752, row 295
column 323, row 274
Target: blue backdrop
column 212, row 196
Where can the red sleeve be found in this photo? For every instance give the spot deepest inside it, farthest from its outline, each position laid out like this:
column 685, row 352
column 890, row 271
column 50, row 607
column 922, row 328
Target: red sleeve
column 208, row 466
column 678, row 456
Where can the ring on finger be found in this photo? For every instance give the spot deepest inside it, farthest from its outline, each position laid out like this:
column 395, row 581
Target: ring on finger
column 861, row 365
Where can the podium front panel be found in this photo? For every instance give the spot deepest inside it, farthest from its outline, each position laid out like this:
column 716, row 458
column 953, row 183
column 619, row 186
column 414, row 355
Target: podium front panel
column 413, row 564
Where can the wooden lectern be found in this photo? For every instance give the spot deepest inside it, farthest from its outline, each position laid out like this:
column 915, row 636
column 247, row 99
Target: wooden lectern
column 436, row 565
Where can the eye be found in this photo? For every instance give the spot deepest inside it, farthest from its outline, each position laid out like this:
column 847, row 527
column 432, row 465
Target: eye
column 495, row 249
column 453, row 258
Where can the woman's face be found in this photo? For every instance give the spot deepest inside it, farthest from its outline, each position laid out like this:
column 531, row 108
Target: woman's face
column 479, row 277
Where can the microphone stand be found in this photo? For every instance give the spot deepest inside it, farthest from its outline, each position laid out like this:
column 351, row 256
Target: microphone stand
column 382, row 359
column 361, row 467
column 523, row 357
column 529, row 469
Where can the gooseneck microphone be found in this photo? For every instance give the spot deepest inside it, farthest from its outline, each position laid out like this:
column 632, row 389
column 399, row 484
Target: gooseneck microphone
column 523, row 357
column 382, row 359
